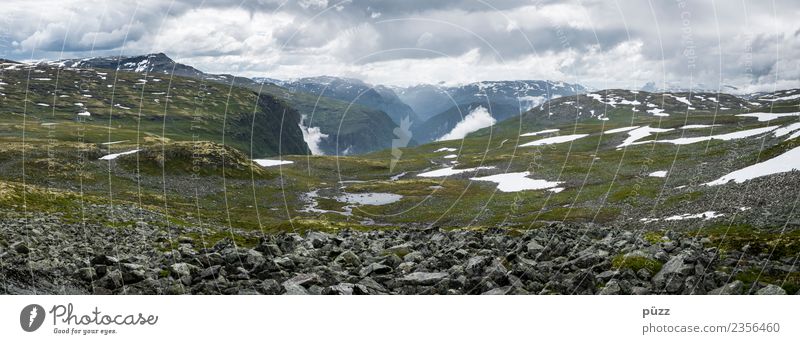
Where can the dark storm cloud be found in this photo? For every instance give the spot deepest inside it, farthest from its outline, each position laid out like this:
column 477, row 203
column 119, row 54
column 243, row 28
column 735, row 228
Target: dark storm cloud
column 625, row 42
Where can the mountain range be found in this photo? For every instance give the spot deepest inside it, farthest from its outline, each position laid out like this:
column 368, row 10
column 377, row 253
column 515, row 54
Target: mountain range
column 342, row 116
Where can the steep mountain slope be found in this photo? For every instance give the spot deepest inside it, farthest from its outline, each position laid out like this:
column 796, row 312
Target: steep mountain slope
column 355, row 91
column 365, row 129
column 130, row 107
column 347, row 128
column 430, row 100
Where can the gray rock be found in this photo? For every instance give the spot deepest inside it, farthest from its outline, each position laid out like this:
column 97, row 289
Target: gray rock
column 400, row 250
column 423, row 278
column 252, row 258
column 269, row 287
column 733, row 288
column 20, row 247
column 294, row 289
column 771, row 289
column 499, row 291
column 415, row 257
column 475, row 265
column 375, row 269
column 607, row 275
column 670, row 271
column 318, row 239
column 611, row 288
column 305, row 280
column 86, row 274
column 346, row 289
column 183, row 272
column 112, row 280
column 347, row 258
column 534, row 247
column 104, row 260
column 406, row 267
column 372, row 284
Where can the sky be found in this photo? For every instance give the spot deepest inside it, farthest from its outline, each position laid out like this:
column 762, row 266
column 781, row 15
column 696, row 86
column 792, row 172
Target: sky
column 751, row 45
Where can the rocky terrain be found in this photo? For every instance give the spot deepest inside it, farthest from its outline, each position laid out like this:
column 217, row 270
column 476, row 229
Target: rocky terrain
column 135, row 252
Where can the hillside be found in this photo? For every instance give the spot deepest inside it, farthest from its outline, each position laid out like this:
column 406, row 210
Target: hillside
column 355, row 91
column 347, row 128
column 515, row 96
column 45, row 101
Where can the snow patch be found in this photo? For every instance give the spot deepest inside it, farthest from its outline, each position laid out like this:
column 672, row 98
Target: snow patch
column 619, row 130
column 640, row 133
column 449, row 171
column 789, row 161
column 271, row 162
column 517, row 181
column 782, row 131
column 117, row 155
column 698, row 126
column 767, row 116
column 554, row 139
column 658, row 112
column 546, row 131
column 724, row 137
column 369, row 198
column 708, row 215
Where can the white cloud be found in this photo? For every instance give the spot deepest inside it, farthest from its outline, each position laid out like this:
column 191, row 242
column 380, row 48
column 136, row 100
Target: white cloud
column 314, row 4
column 477, row 119
column 747, row 44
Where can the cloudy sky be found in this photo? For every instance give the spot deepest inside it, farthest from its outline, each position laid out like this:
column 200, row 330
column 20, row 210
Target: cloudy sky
column 753, row 45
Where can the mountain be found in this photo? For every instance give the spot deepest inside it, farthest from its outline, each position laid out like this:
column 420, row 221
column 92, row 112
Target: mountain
column 618, row 106
column 441, row 124
column 129, row 107
column 430, row 100
column 151, row 63
column 347, row 128
column 444, row 107
column 355, row 91
column 652, row 86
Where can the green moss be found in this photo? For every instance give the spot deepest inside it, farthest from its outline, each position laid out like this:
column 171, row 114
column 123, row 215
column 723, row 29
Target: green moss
column 636, row 263
column 780, row 244
column 789, row 282
column 654, row 237
column 202, row 240
column 603, row 215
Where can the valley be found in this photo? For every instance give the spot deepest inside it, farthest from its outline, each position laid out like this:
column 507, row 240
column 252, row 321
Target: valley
column 629, row 186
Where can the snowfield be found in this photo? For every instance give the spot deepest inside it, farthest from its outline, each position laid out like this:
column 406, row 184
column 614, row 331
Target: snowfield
column 789, row 161
column 518, row 181
column 554, row 139
column 271, row 162
column 117, row 155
